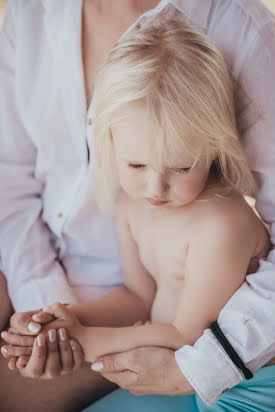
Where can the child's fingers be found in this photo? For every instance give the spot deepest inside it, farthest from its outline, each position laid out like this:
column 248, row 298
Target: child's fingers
column 12, row 364
column 58, row 310
column 148, row 322
column 9, row 350
column 17, row 340
column 43, row 317
column 65, row 351
column 22, row 362
column 24, row 324
column 139, row 323
column 78, row 355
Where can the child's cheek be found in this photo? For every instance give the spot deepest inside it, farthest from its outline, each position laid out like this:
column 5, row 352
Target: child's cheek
column 130, row 182
column 189, row 190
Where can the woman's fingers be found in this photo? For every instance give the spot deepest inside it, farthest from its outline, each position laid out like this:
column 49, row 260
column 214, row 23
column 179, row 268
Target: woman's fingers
column 65, row 350
column 36, row 364
column 14, row 331
column 12, row 363
column 78, row 355
column 24, row 324
column 17, row 340
column 22, row 361
column 52, row 365
column 9, row 350
column 42, row 317
column 139, row 323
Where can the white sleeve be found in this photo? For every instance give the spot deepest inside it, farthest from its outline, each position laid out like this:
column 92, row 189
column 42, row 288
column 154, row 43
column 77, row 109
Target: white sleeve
column 248, row 319
column 35, row 278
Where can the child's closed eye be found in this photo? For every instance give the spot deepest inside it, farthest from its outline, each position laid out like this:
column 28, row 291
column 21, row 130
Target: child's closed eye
column 136, row 166
column 181, row 170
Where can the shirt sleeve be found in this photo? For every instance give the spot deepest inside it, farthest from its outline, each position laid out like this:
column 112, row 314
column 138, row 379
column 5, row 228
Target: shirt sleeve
column 35, row 278
column 247, row 319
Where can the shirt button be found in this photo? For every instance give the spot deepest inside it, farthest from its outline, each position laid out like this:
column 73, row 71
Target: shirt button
column 90, row 121
column 60, row 215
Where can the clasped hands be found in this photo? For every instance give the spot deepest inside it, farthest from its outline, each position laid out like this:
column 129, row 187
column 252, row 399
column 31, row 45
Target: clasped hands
column 41, row 344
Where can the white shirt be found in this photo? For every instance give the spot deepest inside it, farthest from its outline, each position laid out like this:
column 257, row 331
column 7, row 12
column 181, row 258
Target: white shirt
column 47, row 210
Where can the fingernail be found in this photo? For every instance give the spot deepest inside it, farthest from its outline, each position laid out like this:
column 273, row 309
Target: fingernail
column 4, row 335
column 4, row 349
column 62, row 334
column 34, row 327
column 41, row 340
column 97, row 366
column 52, row 335
column 73, row 345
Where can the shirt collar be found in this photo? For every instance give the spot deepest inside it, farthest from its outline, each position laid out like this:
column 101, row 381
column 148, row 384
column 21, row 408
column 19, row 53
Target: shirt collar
column 195, row 10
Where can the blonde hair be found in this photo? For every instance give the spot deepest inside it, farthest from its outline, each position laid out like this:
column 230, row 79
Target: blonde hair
column 184, row 82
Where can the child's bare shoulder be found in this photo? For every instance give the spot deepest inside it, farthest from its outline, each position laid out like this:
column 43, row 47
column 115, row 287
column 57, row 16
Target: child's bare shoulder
column 232, row 218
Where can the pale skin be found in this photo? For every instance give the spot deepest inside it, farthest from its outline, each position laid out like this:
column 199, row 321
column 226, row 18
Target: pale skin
column 183, row 257
column 104, row 20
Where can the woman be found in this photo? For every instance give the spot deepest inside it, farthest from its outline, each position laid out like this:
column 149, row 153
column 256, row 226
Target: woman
column 43, row 118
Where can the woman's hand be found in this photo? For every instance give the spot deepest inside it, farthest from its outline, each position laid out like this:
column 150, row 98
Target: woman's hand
column 29, row 323
column 52, row 354
column 145, row 371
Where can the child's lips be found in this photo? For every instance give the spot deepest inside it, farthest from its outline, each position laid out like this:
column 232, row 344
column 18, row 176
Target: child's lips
column 157, row 202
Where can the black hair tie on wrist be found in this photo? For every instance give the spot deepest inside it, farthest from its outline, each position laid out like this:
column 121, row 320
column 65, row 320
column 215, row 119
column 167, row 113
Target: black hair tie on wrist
column 230, row 351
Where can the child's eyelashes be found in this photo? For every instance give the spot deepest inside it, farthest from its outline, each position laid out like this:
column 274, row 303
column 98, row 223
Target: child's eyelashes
column 136, row 166
column 172, row 170
column 181, row 170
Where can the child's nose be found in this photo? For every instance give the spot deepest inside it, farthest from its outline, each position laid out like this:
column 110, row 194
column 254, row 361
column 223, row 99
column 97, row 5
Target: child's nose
column 158, row 185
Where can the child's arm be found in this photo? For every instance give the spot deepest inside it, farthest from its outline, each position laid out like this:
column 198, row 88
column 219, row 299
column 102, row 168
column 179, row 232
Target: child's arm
column 97, row 342
column 217, row 264
column 100, row 341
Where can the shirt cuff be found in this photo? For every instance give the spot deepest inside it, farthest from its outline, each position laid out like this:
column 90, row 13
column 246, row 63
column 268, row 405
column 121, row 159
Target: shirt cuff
column 208, row 368
column 41, row 292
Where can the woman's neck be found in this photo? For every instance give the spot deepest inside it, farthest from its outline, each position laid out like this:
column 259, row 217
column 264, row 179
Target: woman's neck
column 120, row 6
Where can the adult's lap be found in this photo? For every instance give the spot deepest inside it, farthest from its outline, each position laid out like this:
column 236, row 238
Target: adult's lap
column 122, row 400
column 255, row 395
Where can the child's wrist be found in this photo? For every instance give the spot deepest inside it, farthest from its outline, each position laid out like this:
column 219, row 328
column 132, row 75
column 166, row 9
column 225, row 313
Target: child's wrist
column 86, row 342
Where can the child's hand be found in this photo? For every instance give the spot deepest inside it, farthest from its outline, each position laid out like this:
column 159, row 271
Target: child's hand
column 64, row 318
column 29, row 323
